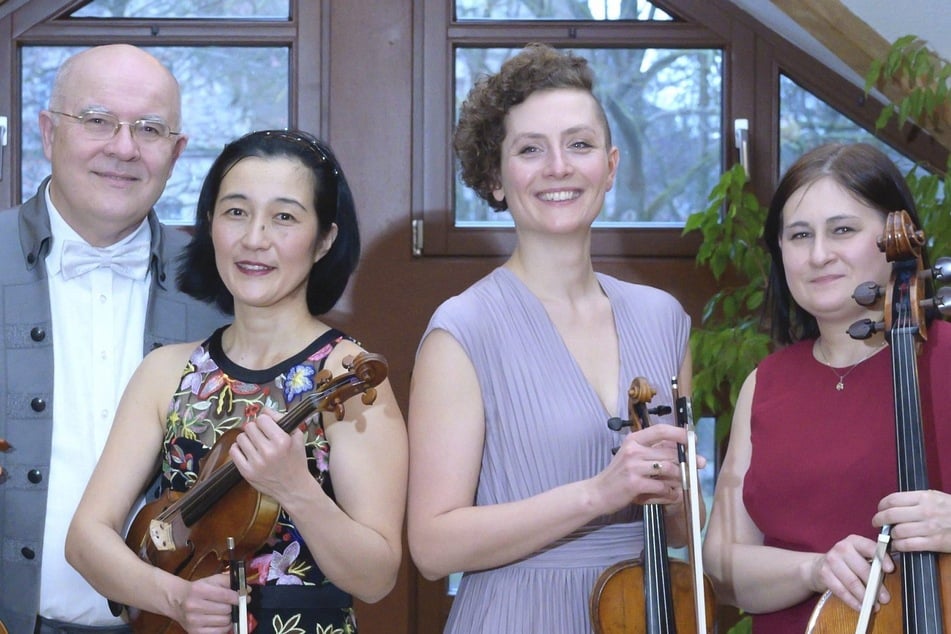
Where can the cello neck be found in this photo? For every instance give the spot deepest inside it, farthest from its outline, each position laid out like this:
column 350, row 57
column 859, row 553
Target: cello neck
column 921, row 593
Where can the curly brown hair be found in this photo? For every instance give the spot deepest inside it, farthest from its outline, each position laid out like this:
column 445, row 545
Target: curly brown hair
column 478, row 137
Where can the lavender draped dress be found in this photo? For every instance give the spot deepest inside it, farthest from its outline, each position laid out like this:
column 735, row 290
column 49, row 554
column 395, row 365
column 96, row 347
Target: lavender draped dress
column 545, row 426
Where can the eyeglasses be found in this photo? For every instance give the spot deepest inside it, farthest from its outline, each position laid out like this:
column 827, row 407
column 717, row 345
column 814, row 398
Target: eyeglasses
column 105, row 125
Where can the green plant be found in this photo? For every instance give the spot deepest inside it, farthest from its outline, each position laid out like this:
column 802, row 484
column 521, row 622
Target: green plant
column 728, row 342
column 925, row 81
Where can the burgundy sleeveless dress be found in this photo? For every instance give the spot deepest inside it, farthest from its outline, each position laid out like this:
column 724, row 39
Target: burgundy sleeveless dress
column 823, row 458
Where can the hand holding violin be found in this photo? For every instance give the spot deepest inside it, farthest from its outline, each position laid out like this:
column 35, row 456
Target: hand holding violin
column 644, row 470
column 270, row 459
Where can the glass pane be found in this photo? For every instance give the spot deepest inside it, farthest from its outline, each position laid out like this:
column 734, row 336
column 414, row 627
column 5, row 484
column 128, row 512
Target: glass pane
column 225, row 9
column 558, row 10
column 664, row 107
column 248, row 91
column 806, row 121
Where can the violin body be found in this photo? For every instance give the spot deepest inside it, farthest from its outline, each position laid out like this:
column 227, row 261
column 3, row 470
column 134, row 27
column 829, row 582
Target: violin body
column 619, row 593
column 832, row 616
column 242, row 513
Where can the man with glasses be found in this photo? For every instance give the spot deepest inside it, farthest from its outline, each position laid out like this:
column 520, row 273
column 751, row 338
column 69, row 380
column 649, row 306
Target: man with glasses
column 87, row 285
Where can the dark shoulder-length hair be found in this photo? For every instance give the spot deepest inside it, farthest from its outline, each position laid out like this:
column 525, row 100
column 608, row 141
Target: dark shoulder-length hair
column 198, row 275
column 478, row 136
column 861, row 169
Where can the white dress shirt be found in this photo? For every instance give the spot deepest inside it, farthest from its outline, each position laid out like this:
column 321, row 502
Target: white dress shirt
column 98, row 321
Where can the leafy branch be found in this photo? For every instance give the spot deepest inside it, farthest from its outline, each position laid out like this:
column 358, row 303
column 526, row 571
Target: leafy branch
column 729, row 341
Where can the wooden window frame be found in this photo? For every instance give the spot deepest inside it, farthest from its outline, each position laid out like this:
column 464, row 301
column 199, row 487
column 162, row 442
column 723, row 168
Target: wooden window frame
column 753, row 58
column 305, row 35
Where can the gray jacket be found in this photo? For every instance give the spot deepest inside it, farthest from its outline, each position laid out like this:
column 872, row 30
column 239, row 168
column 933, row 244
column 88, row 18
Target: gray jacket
column 26, row 383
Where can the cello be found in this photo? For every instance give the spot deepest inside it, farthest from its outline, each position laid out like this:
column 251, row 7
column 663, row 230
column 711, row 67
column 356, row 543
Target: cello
column 921, row 586
column 222, row 518
column 653, row 595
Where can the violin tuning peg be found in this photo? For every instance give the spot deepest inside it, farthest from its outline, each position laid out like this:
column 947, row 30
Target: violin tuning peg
column 369, row 396
column 323, row 377
column 867, row 293
column 615, row 423
column 660, row 410
column 865, row 328
column 339, row 411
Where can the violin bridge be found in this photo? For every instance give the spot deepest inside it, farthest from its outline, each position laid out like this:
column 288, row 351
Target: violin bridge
column 161, row 534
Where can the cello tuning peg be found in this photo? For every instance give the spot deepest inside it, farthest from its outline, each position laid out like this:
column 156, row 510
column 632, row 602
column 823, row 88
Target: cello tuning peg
column 660, row 410
column 941, row 271
column 865, row 328
column 942, row 300
column 615, row 423
column 867, row 293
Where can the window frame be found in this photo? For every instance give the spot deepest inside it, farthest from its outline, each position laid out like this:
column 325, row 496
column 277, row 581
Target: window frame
column 305, row 34
column 753, row 58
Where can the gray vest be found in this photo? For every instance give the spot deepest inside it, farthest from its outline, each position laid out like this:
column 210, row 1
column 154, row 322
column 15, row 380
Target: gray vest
column 26, row 383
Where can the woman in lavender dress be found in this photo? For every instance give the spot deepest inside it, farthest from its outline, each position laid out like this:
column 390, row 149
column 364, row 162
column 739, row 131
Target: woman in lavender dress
column 512, row 477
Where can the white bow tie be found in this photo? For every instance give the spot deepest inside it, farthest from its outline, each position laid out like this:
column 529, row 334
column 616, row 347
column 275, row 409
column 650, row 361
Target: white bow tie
column 130, row 260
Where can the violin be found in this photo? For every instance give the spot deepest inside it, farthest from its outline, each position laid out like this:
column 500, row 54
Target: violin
column 222, row 518
column 922, row 585
column 652, row 595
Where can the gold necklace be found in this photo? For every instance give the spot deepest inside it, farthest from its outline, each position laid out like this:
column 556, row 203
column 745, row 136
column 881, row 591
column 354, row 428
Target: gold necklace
column 841, row 383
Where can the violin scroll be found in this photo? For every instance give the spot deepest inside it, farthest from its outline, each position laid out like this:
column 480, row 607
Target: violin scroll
column 364, row 373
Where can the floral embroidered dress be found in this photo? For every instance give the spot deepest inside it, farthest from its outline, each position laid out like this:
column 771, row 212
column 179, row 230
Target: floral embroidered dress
column 290, row 594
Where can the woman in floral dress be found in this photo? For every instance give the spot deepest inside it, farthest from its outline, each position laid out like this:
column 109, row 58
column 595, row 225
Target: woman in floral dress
column 275, row 242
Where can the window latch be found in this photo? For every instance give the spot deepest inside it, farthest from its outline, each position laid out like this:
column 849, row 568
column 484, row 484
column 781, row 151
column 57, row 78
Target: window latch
column 741, row 138
column 3, row 142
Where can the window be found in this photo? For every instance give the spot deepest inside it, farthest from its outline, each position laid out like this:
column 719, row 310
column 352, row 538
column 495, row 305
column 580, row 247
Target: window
column 806, row 121
column 664, row 107
column 163, row 9
column 660, row 78
column 250, row 92
column 674, row 76
column 241, row 65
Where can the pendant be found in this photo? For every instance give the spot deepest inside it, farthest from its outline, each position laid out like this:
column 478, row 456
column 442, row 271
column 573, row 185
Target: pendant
column 840, row 385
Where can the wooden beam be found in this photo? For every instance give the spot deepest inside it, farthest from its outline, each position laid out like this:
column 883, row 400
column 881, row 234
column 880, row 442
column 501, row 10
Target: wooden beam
column 857, row 44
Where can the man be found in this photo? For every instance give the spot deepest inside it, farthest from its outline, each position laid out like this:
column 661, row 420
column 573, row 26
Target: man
column 87, row 286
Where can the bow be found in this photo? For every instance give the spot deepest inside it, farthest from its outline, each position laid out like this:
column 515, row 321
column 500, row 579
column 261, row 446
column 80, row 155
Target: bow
column 130, row 260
